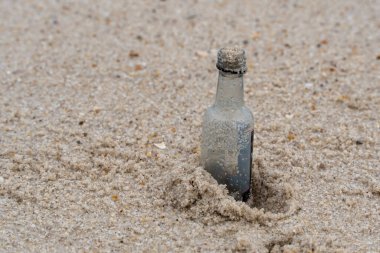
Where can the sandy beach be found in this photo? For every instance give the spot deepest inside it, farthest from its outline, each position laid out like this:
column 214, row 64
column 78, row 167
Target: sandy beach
column 101, row 106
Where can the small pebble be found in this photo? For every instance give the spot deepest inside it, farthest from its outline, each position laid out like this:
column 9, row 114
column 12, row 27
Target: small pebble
column 291, row 136
column 138, row 67
column 96, row 109
column 309, row 85
column 321, row 166
column 289, row 116
column 1, row 180
column 133, row 54
column 202, row 54
column 160, row 145
column 359, row 142
column 256, row 35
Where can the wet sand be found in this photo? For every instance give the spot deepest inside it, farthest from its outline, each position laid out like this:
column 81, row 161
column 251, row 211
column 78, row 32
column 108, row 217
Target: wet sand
column 101, row 110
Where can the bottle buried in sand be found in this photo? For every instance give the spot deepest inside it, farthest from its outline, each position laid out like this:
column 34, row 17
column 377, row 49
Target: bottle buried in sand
column 227, row 134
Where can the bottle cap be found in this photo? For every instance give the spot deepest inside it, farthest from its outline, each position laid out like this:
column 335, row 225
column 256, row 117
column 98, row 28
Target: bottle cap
column 232, row 59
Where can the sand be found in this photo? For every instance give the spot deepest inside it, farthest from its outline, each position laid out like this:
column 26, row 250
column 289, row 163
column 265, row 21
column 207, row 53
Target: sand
column 101, row 112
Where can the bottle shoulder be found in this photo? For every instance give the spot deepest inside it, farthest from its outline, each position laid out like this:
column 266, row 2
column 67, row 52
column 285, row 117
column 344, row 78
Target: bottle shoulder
column 242, row 114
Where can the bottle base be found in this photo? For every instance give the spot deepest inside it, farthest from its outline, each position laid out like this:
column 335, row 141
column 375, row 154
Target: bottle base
column 241, row 196
column 246, row 195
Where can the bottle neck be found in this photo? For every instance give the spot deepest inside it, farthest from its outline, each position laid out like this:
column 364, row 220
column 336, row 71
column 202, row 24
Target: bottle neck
column 230, row 90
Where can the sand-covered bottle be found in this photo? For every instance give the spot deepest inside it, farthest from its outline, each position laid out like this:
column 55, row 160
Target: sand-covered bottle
column 227, row 134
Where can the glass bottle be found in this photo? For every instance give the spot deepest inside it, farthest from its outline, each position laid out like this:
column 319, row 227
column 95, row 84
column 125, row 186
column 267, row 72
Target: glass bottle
column 227, row 134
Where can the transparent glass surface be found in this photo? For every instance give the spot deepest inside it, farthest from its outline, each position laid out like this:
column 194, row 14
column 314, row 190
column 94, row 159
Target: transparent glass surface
column 227, row 137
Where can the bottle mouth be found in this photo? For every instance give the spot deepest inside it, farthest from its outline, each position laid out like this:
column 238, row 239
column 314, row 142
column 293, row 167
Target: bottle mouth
column 232, row 60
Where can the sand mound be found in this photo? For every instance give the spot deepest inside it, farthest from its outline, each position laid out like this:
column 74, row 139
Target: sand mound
column 196, row 192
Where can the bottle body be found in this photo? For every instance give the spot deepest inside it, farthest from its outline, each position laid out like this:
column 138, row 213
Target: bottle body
column 227, row 137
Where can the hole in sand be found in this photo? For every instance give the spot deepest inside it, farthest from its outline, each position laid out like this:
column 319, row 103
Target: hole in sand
column 196, row 193
column 267, row 193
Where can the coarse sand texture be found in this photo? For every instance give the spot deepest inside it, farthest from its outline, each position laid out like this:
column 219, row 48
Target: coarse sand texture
column 101, row 106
